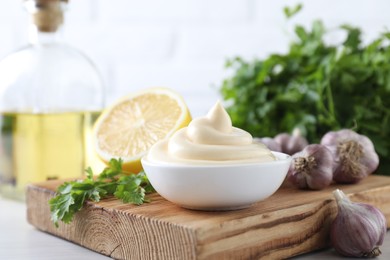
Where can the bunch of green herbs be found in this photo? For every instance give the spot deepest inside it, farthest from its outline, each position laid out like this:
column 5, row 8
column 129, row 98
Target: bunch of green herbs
column 113, row 181
column 316, row 87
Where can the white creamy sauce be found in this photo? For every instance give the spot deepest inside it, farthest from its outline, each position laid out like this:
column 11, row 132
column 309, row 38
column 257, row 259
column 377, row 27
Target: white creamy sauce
column 210, row 140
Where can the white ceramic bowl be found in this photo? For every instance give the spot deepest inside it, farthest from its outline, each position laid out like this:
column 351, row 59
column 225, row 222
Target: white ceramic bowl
column 217, row 187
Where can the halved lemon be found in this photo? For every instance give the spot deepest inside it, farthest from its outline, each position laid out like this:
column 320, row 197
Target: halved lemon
column 129, row 127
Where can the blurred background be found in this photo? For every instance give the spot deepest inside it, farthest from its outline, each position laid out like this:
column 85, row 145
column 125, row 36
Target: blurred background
column 183, row 44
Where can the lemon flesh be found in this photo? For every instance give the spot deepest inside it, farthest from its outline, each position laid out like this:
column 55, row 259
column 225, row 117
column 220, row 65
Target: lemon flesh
column 130, row 127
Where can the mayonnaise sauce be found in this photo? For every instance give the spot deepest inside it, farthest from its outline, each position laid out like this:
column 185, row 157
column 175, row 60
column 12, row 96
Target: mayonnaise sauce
column 210, row 140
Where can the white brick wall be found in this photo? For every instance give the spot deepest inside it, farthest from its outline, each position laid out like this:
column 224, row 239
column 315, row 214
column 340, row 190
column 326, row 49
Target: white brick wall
column 183, row 44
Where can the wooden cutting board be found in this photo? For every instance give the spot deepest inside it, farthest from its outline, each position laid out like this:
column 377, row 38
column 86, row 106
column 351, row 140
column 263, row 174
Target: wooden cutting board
column 289, row 223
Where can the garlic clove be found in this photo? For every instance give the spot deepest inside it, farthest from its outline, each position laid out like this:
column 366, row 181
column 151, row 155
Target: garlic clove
column 358, row 229
column 311, row 168
column 283, row 139
column 355, row 156
column 291, row 144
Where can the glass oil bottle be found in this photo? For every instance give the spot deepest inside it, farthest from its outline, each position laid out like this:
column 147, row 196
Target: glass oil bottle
column 50, row 96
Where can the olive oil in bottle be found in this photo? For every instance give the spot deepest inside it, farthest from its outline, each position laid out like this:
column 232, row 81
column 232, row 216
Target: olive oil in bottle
column 39, row 147
column 50, row 96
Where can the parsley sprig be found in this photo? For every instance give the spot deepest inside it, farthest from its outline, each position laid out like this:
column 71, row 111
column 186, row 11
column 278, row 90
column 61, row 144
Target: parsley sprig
column 126, row 186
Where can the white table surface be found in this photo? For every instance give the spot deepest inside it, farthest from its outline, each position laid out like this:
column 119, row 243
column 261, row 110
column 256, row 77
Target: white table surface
column 20, row 240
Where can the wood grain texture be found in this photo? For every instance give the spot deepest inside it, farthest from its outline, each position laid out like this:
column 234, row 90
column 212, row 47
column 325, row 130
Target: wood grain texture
column 289, row 223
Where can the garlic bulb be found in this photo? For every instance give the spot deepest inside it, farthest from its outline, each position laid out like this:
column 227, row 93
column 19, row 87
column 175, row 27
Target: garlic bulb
column 270, row 143
column 291, row 144
column 311, row 168
column 358, row 229
column 354, row 154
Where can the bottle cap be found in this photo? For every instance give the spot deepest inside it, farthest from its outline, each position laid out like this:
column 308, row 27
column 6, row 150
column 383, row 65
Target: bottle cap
column 47, row 15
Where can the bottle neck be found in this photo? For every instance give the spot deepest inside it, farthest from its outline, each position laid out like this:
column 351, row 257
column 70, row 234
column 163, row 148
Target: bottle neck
column 37, row 37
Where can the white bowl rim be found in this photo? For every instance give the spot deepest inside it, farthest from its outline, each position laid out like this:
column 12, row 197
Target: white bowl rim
column 282, row 158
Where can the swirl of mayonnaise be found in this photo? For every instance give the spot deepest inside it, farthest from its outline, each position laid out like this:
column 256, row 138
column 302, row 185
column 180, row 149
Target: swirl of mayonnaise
column 210, row 140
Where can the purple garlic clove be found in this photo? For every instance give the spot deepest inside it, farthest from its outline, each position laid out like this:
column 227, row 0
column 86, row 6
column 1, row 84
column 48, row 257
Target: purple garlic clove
column 358, row 229
column 291, row 144
column 354, row 154
column 311, row 168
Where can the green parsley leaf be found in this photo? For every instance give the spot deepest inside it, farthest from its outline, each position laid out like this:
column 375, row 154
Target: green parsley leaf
column 128, row 187
column 89, row 173
column 290, row 12
column 132, row 188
